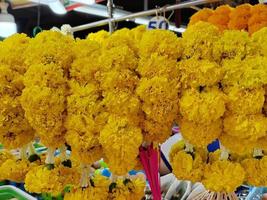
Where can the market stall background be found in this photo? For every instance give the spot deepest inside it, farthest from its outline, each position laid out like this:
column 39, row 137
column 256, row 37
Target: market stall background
column 26, row 18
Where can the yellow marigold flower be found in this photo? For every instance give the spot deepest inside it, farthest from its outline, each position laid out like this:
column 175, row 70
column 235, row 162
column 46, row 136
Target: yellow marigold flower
column 119, row 80
column 41, row 75
column 85, row 146
column 5, row 155
column 123, row 104
column 159, row 98
column 253, row 175
column 118, row 57
column 255, row 171
column 199, row 39
column 43, row 100
column 244, row 101
column 11, row 82
column 10, row 49
column 122, row 37
column 50, row 47
column 178, row 146
column 98, row 190
column 42, row 180
column 242, row 147
column 201, row 15
column 137, row 186
column 128, row 189
column 161, row 42
column 15, row 170
column 186, row 166
column 220, row 17
column 160, row 106
column 84, row 70
column 156, row 131
column 44, row 109
column 86, row 193
column 121, row 140
column 85, row 48
column 239, row 17
column 223, row 176
column 250, row 127
column 200, row 135
column 249, row 73
column 86, row 117
column 158, row 66
column 15, row 130
column 261, row 143
column 214, row 156
column 260, row 38
column 234, row 44
column 202, row 107
column 99, row 37
column 137, row 34
column 195, row 73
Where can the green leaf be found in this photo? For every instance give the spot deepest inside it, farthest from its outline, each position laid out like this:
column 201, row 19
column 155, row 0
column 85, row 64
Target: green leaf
column 67, row 163
column 34, row 157
column 50, row 166
column 112, row 186
column 126, row 181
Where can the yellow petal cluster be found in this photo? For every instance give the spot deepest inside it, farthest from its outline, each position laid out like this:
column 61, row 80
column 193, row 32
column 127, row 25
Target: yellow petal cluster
column 223, row 176
column 186, row 166
column 15, row 131
column 162, row 43
column 237, row 145
column 127, row 189
column 248, row 73
column 195, row 73
column 199, row 39
column 250, row 127
column 234, row 44
column 244, row 101
column 202, row 107
column 42, row 180
column 98, row 189
column 160, row 105
column 255, row 171
column 15, row 170
column 121, row 140
column 50, row 47
column 259, row 38
column 200, row 135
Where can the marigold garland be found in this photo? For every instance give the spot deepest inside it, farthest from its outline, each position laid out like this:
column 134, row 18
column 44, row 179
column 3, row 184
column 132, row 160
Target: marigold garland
column 109, row 93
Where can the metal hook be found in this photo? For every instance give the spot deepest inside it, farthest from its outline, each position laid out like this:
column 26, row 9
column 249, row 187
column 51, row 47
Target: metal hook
column 157, row 11
column 171, row 15
column 164, row 10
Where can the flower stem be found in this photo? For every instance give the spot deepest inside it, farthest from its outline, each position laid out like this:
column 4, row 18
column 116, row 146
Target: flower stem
column 224, row 153
column 85, row 175
column 23, row 152
column 257, row 153
column 31, row 149
column 189, row 147
column 63, row 153
column 50, row 157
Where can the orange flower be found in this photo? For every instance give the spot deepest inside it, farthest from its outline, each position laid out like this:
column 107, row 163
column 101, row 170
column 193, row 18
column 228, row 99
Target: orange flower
column 258, row 18
column 220, row 17
column 201, row 15
column 239, row 17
